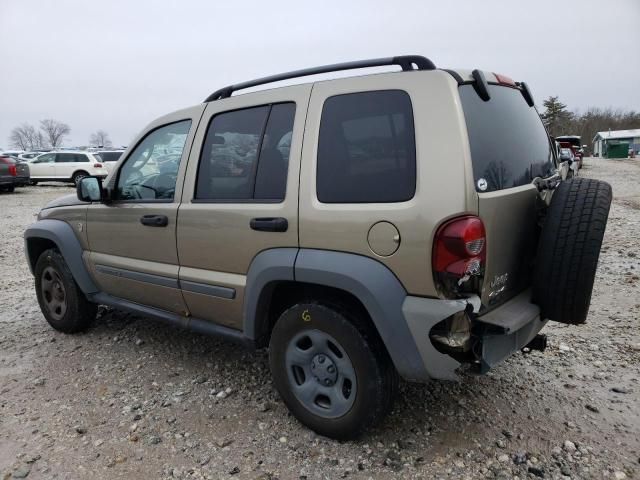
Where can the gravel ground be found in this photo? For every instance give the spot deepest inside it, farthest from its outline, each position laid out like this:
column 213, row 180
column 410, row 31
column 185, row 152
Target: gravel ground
column 132, row 398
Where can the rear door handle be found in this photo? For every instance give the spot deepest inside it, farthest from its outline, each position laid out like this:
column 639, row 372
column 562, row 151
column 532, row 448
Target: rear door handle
column 154, row 220
column 269, row 224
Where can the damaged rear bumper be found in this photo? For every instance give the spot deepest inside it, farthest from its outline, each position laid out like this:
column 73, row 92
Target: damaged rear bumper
column 508, row 329
column 495, row 335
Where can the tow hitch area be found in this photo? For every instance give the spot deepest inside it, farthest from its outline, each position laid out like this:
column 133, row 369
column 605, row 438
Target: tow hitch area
column 539, row 343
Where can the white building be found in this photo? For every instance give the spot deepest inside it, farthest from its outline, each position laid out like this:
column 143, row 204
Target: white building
column 605, row 143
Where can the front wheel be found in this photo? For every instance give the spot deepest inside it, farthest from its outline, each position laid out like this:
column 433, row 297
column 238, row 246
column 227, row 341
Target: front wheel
column 61, row 301
column 333, row 373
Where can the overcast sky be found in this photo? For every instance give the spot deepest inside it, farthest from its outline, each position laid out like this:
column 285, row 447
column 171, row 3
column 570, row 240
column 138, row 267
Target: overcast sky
column 116, row 64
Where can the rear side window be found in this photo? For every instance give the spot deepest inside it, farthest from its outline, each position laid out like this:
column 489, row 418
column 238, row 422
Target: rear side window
column 71, row 157
column 366, row 148
column 245, row 155
column 109, row 156
column 509, row 144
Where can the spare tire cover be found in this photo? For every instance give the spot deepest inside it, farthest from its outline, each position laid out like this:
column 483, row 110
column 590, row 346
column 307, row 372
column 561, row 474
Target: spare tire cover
column 569, row 248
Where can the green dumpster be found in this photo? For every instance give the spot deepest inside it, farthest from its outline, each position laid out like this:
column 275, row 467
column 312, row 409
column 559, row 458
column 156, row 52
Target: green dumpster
column 618, row 150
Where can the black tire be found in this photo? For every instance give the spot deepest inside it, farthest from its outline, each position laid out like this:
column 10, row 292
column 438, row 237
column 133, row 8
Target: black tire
column 376, row 379
column 77, row 176
column 65, row 307
column 34, row 182
column 9, row 189
column 569, row 249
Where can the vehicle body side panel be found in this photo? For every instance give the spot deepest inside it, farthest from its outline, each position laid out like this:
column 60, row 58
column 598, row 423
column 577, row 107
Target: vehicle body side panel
column 64, row 237
column 439, row 148
column 378, row 290
column 118, row 240
column 267, row 269
column 214, row 238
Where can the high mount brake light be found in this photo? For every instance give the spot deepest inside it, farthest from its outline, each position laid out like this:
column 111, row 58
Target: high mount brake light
column 460, row 247
column 504, row 80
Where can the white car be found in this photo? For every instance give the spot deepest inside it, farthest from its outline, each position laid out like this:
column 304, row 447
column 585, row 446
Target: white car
column 109, row 157
column 65, row 167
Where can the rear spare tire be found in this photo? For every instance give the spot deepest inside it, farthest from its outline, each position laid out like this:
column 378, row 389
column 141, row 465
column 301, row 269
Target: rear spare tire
column 569, row 249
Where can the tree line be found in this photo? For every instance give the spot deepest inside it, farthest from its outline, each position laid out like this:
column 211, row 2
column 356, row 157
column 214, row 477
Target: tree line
column 50, row 134
column 561, row 121
column 558, row 119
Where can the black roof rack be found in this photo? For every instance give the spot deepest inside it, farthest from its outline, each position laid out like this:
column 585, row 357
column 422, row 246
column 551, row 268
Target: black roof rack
column 405, row 61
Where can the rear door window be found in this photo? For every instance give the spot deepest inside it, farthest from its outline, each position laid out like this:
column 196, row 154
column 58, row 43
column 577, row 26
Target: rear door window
column 509, row 144
column 65, row 158
column 245, row 155
column 366, row 148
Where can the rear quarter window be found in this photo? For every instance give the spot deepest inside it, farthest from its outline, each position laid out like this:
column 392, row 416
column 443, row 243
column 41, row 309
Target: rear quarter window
column 109, row 156
column 509, row 144
column 366, row 148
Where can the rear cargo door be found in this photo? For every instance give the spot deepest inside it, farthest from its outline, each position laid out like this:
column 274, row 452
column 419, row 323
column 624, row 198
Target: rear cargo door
column 509, row 148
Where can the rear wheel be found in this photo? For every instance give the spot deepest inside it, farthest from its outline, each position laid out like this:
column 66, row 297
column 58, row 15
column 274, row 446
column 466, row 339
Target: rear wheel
column 569, row 249
column 78, row 176
column 335, row 377
column 61, row 301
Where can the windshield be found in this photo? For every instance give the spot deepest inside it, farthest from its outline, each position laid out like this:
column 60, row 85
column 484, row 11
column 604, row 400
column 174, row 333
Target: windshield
column 509, row 144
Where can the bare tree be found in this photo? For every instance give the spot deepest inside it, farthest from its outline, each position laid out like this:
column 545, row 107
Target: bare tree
column 54, row 131
column 100, row 139
column 39, row 141
column 19, row 137
column 26, row 137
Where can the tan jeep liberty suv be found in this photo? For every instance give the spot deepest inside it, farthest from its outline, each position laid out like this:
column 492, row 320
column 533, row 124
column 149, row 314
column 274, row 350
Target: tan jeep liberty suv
column 402, row 224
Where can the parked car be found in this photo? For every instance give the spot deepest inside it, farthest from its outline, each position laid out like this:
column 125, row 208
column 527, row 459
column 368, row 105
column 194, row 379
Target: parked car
column 25, row 157
column 12, row 154
column 574, row 150
column 109, row 157
column 12, row 174
column 67, row 166
column 362, row 229
column 566, row 155
column 575, row 143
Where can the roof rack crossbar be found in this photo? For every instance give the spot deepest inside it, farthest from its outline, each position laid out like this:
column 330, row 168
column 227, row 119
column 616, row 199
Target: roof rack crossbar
column 406, row 62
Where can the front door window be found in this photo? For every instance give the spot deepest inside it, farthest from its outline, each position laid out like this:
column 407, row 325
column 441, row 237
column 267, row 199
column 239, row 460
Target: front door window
column 151, row 170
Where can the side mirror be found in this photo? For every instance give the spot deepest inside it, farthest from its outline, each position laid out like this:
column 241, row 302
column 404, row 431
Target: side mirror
column 90, row 190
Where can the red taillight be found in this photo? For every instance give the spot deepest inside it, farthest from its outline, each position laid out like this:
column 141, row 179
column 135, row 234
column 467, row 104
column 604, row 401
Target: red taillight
column 97, row 165
column 504, row 80
column 459, row 247
column 13, row 171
